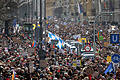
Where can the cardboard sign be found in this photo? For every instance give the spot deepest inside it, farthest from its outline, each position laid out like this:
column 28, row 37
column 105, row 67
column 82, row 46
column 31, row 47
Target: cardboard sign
column 109, row 59
column 43, row 63
column 16, row 40
column 106, row 44
column 52, row 52
column 47, row 39
column 79, row 63
column 76, row 63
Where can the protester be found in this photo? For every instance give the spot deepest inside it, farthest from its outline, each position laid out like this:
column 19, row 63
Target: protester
column 18, row 55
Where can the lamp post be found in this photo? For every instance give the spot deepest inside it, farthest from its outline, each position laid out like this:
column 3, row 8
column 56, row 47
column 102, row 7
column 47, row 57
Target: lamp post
column 94, row 47
column 45, row 23
column 36, row 19
column 40, row 53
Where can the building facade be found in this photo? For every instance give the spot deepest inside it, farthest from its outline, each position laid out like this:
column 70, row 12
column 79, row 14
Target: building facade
column 110, row 6
column 62, row 8
column 29, row 10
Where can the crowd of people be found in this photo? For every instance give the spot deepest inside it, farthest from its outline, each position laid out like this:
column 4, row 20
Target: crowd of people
column 17, row 55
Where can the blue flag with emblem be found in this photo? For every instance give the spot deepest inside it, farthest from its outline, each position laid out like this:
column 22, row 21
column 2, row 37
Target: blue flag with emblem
column 109, row 69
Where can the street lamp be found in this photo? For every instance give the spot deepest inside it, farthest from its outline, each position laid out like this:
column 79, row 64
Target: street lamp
column 41, row 34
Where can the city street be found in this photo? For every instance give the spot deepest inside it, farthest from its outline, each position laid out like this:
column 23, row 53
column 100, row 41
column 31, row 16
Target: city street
column 59, row 40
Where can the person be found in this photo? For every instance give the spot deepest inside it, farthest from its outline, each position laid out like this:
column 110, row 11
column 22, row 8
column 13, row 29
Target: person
column 118, row 74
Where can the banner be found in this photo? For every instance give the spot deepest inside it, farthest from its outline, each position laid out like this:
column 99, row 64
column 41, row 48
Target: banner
column 77, row 63
column 77, row 36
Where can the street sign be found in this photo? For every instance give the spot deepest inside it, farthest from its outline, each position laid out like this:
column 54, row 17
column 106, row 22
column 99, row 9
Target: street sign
column 114, row 38
column 115, row 58
column 87, row 48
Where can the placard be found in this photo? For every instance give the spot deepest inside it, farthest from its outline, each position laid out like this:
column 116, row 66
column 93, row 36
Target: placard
column 106, row 44
column 16, row 40
column 43, row 63
column 80, row 40
column 109, row 59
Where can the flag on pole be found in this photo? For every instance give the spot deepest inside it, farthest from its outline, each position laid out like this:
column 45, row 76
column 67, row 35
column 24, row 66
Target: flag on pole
column 105, row 4
column 52, row 36
column 34, row 43
column 98, row 35
column 48, row 25
column 53, row 46
column 38, row 25
column 14, row 22
column 111, row 5
column 34, row 26
column 13, row 75
column 90, row 77
column 109, row 69
column 80, row 8
column 99, row 6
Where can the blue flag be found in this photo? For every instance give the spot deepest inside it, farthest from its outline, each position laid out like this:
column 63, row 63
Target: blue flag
column 60, row 43
column 109, row 69
column 14, row 22
column 80, row 8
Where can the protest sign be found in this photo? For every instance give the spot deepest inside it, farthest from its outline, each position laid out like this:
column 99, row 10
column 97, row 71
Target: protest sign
column 43, row 63
column 109, row 59
column 106, row 44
